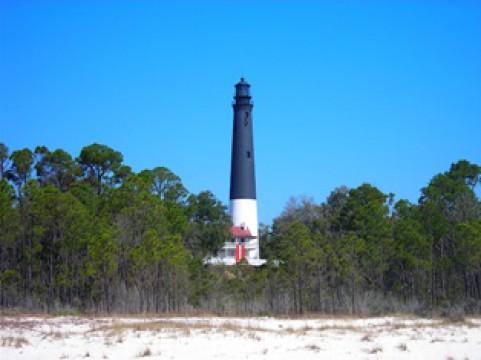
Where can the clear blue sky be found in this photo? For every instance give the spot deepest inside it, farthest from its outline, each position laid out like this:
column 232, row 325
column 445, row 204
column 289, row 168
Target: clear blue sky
column 385, row 92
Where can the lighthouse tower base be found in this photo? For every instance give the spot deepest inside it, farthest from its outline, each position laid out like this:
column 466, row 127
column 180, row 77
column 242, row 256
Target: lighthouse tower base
column 244, row 225
column 243, row 247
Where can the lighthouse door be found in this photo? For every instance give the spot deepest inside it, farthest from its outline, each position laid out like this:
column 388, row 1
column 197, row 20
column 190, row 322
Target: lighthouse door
column 240, row 252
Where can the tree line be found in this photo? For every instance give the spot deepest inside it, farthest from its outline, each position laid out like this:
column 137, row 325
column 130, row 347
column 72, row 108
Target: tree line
column 88, row 234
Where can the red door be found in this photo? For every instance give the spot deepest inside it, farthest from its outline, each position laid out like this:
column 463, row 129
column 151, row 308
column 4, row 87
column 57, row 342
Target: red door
column 240, row 252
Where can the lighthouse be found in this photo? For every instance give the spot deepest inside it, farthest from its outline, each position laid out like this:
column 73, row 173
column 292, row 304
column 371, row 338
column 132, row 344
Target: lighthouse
column 243, row 246
column 243, row 200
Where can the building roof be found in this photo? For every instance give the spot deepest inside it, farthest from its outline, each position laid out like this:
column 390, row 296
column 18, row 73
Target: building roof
column 241, row 232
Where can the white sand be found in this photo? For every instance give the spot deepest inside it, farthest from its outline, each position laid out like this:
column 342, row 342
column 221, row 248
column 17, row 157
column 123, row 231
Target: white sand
column 210, row 338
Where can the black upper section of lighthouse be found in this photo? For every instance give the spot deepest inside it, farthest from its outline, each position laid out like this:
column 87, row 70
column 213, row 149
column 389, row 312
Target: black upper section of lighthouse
column 242, row 175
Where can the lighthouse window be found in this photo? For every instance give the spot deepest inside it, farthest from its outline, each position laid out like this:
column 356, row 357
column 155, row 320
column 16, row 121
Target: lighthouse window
column 246, row 118
column 248, row 154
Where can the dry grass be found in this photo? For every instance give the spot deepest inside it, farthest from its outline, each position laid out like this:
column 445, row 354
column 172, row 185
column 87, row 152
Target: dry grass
column 342, row 328
column 14, row 341
column 179, row 327
column 366, row 338
column 56, row 335
column 19, row 324
column 118, row 328
column 374, row 350
column 147, row 352
column 155, row 326
column 253, row 336
column 313, row 347
column 442, row 323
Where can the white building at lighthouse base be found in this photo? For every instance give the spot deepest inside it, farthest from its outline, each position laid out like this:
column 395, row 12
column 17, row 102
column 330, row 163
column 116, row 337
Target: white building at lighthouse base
column 244, row 242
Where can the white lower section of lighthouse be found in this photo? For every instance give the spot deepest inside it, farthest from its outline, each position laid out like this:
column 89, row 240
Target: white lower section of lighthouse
column 244, row 214
column 244, row 218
